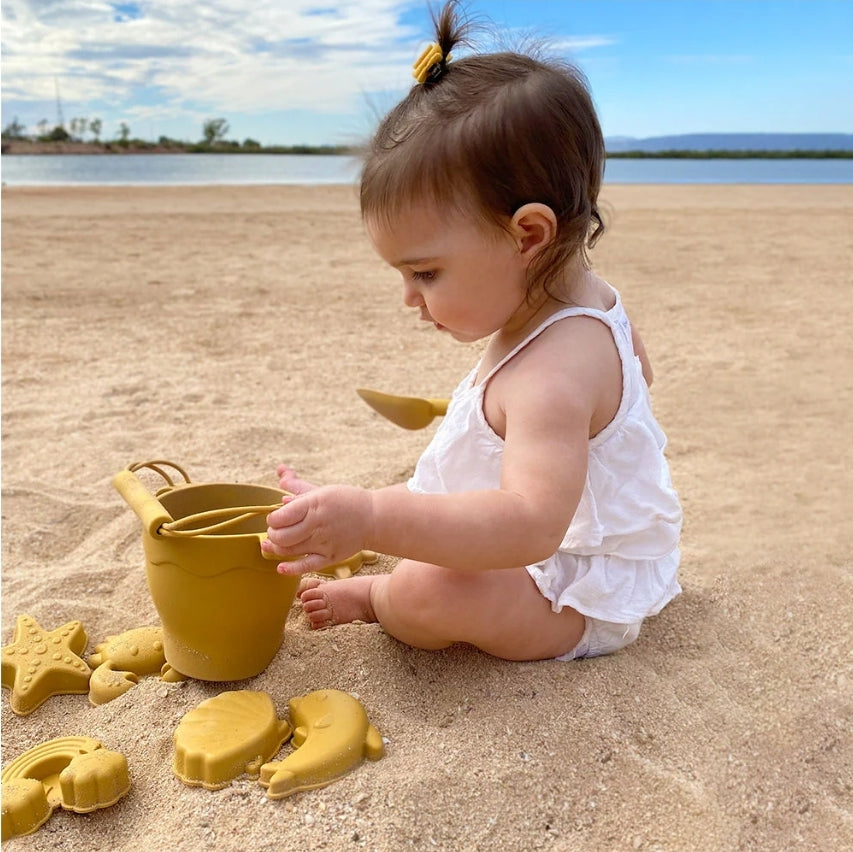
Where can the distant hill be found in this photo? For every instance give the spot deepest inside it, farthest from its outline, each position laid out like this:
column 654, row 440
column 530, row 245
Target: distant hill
column 734, row 142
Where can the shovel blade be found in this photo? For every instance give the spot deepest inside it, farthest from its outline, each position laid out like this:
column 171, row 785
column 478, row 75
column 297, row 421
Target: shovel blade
column 410, row 412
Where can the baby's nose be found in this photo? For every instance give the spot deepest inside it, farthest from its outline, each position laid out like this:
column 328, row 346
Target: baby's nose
column 411, row 295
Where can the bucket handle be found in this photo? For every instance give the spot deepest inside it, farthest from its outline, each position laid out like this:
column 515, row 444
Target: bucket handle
column 157, row 467
column 156, row 517
column 158, row 521
column 243, row 513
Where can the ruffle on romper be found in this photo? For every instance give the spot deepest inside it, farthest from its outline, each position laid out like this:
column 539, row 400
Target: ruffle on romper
column 608, row 587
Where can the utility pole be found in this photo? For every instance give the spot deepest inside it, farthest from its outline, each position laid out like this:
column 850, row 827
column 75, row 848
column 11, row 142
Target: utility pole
column 60, row 121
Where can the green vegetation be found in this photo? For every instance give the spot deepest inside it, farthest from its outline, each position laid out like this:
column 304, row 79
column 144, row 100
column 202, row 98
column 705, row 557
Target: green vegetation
column 720, row 154
column 14, row 129
column 252, row 147
column 77, row 128
column 58, row 134
column 214, row 131
column 213, row 140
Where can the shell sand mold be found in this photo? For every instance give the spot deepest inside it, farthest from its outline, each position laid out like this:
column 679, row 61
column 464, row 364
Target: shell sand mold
column 229, row 327
column 237, row 732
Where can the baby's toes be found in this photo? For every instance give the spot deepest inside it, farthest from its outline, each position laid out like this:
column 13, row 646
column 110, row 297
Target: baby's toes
column 318, row 613
column 308, row 584
column 311, row 605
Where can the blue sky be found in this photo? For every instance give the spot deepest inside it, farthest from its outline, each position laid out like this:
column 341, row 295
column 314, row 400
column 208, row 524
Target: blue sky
column 318, row 71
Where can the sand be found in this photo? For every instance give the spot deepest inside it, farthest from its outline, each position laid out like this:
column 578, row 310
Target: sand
column 227, row 328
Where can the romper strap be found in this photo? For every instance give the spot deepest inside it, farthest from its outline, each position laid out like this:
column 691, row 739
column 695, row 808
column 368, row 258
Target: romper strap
column 556, row 317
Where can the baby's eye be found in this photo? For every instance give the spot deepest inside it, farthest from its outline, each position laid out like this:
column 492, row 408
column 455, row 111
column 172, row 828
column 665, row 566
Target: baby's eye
column 426, row 275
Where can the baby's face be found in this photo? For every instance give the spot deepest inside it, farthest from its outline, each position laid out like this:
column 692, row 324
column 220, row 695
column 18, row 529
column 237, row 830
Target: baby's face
column 466, row 278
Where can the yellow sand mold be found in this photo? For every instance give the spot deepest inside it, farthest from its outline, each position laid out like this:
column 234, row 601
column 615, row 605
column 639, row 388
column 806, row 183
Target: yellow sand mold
column 121, row 660
column 226, row 736
column 40, row 663
column 139, row 651
column 332, row 735
column 106, row 684
column 25, row 807
column 76, row 773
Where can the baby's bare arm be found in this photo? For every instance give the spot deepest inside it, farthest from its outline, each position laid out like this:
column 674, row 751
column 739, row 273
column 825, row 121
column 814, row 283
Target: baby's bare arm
column 545, row 399
column 549, row 395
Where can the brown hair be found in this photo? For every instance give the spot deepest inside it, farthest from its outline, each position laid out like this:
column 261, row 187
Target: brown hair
column 487, row 134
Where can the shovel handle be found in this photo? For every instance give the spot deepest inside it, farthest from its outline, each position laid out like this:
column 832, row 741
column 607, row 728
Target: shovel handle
column 148, row 508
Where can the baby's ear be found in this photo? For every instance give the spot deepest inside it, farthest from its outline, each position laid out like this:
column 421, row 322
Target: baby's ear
column 533, row 226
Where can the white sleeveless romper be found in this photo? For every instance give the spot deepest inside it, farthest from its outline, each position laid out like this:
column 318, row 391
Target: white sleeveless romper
column 618, row 561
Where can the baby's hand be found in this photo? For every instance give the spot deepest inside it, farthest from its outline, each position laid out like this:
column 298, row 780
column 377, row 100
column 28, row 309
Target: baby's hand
column 289, row 481
column 320, row 526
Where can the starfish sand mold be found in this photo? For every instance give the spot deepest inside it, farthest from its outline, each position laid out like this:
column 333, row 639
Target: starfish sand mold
column 40, row 663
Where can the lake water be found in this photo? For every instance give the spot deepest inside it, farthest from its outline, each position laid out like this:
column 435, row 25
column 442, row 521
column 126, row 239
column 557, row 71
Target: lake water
column 249, row 169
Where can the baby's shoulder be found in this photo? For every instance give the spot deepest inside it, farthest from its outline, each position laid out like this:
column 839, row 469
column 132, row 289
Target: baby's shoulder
column 570, row 353
column 572, row 344
column 574, row 359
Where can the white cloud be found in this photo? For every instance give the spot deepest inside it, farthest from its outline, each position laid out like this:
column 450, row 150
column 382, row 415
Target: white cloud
column 577, row 44
column 228, row 55
column 265, row 64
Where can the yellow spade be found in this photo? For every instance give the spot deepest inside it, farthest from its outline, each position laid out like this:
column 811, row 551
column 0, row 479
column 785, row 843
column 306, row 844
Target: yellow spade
column 410, row 412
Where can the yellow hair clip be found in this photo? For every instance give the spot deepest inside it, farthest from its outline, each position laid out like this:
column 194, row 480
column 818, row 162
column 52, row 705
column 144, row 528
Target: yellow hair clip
column 431, row 57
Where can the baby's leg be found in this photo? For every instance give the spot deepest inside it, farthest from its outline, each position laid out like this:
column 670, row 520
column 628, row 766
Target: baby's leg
column 501, row 612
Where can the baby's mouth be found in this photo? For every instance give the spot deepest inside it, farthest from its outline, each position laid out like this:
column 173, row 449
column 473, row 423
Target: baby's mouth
column 425, row 317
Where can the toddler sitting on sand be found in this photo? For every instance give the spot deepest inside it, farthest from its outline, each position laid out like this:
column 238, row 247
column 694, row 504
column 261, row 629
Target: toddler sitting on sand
column 541, row 521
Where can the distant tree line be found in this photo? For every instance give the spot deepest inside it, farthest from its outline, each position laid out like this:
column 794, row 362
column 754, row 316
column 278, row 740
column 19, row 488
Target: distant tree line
column 215, row 131
column 722, row 154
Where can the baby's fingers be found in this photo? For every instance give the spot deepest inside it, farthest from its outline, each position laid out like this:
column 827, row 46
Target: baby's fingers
column 292, row 512
column 289, row 481
column 309, row 563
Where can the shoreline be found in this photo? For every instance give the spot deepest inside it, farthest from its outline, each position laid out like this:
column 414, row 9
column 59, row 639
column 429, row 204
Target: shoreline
column 28, row 148
column 190, row 187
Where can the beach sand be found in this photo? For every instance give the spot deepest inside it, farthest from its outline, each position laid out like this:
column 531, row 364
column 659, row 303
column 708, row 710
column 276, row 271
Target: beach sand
column 227, row 328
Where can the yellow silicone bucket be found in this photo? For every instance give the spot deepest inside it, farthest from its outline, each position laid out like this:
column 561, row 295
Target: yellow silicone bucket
column 222, row 604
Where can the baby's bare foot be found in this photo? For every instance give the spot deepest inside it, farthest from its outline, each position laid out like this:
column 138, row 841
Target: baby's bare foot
column 329, row 602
